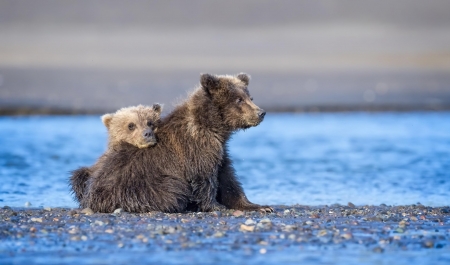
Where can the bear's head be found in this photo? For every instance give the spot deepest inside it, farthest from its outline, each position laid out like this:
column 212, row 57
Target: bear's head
column 134, row 125
column 230, row 94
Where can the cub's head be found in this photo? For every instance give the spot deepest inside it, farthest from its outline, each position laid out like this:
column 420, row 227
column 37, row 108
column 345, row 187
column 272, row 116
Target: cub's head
column 231, row 95
column 135, row 125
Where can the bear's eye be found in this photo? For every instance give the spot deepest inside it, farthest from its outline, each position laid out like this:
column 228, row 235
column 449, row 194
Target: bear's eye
column 131, row 126
column 149, row 124
column 239, row 100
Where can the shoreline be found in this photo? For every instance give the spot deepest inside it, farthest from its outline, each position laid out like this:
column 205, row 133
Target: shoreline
column 29, row 233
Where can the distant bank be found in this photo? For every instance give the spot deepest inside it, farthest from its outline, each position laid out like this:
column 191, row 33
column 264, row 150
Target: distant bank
column 26, row 91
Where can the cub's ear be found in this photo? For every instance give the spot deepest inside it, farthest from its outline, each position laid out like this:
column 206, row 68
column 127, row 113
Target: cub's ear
column 157, row 108
column 106, row 119
column 245, row 78
column 209, row 82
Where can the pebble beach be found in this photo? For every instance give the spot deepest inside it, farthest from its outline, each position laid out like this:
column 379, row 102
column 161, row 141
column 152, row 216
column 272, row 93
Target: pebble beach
column 292, row 234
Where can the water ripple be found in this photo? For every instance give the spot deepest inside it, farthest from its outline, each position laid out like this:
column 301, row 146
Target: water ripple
column 391, row 158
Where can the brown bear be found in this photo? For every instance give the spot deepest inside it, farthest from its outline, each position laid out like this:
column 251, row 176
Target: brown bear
column 135, row 125
column 191, row 148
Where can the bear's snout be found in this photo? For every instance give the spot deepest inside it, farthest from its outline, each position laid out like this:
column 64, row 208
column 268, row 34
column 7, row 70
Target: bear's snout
column 261, row 114
column 149, row 136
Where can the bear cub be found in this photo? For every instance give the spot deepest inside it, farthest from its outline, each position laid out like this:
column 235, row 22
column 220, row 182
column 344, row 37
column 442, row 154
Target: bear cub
column 134, row 125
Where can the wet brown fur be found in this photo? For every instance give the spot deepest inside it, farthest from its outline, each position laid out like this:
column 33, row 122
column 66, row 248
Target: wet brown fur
column 191, row 149
column 117, row 125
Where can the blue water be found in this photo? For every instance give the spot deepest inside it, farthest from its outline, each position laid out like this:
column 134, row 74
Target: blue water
column 314, row 159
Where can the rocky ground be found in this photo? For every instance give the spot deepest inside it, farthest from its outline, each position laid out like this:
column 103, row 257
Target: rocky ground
column 59, row 235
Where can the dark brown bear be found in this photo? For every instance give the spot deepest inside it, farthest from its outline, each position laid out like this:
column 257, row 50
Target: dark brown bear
column 191, row 148
column 135, row 125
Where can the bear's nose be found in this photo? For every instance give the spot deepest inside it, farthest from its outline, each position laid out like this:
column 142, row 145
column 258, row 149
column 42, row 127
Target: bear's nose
column 261, row 113
column 148, row 133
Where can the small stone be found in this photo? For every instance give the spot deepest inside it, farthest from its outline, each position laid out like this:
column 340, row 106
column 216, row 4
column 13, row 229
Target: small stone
column 87, row 211
column 428, row 244
column 287, row 211
column 39, row 220
column 309, row 222
column 264, row 243
column 216, row 214
column 73, row 230
column 48, row 209
column 109, row 231
column 75, row 238
column 118, row 210
column 27, row 204
column 84, row 238
column 347, row 236
column 33, row 229
column 238, row 213
column 322, row 233
column 291, row 237
column 265, row 221
column 120, row 245
column 399, row 230
column 263, row 251
column 351, row 205
column 170, row 230
column 72, row 212
column 402, row 224
column 218, row 234
column 249, row 222
column 185, row 221
column 314, row 215
column 247, row 228
column 289, row 228
column 99, row 223
column 378, row 250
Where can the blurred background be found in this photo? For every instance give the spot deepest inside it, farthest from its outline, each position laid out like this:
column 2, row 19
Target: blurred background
column 88, row 56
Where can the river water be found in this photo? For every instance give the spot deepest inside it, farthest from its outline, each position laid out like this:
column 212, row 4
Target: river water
column 312, row 159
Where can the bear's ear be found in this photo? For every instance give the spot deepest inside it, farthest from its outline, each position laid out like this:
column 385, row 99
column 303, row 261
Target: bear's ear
column 209, row 82
column 157, row 108
column 245, row 78
column 106, row 119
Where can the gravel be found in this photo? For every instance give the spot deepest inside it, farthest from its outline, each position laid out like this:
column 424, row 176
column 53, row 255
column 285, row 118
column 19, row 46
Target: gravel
column 374, row 229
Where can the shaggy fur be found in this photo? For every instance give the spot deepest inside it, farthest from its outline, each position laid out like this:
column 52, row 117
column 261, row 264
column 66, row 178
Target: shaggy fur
column 127, row 181
column 191, row 149
column 134, row 125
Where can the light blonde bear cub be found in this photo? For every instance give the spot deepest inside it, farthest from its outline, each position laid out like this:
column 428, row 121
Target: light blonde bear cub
column 135, row 125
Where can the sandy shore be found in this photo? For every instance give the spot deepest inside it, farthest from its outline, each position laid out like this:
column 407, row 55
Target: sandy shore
column 62, row 235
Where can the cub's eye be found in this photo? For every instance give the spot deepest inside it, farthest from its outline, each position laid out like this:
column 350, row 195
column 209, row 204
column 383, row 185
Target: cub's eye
column 131, row 126
column 239, row 100
column 149, row 124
